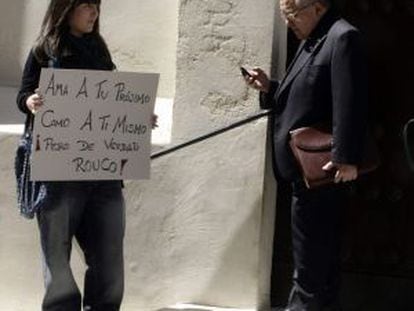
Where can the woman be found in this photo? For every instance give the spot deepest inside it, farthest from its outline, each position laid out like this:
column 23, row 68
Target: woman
column 92, row 211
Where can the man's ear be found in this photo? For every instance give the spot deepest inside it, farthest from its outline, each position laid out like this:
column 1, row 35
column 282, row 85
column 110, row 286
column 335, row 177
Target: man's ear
column 320, row 9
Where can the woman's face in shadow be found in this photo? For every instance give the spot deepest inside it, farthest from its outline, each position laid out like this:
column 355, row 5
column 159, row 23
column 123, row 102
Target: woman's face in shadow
column 82, row 19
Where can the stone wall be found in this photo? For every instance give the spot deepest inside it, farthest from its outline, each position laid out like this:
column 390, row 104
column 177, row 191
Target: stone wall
column 216, row 37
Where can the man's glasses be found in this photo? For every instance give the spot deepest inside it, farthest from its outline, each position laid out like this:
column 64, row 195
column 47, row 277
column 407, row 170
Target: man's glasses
column 293, row 15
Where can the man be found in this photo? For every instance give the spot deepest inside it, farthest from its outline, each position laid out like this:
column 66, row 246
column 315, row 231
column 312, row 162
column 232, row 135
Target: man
column 326, row 82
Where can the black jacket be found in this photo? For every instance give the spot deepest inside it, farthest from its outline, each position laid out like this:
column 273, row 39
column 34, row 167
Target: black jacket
column 77, row 53
column 326, row 82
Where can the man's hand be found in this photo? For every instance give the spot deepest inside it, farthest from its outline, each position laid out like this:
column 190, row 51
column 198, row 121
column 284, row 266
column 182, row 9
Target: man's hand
column 344, row 172
column 258, row 80
column 34, row 102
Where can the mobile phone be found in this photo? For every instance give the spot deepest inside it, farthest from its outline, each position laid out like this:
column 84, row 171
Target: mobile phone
column 245, row 73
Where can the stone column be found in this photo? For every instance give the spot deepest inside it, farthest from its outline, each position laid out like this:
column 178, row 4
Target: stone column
column 221, row 191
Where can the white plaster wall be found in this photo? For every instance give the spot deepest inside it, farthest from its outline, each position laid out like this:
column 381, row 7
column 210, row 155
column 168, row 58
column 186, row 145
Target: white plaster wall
column 12, row 26
column 9, row 114
column 142, row 36
column 216, row 37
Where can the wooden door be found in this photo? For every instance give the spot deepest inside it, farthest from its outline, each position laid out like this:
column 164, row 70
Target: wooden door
column 378, row 252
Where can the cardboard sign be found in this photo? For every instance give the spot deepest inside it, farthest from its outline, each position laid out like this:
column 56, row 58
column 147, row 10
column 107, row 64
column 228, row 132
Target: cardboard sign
column 94, row 125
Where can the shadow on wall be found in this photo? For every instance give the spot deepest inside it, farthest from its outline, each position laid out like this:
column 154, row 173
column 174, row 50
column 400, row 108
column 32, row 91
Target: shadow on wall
column 230, row 248
column 11, row 27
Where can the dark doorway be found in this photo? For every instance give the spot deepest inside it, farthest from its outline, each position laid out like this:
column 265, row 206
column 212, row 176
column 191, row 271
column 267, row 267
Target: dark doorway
column 378, row 257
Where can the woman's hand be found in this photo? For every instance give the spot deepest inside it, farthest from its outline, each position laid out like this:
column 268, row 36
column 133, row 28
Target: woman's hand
column 154, row 121
column 34, row 102
column 258, row 80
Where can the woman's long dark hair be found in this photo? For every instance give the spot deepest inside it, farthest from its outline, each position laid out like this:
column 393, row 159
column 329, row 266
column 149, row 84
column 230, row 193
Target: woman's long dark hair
column 55, row 27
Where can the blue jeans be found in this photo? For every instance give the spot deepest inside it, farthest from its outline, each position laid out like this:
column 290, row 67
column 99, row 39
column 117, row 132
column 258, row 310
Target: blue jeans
column 93, row 213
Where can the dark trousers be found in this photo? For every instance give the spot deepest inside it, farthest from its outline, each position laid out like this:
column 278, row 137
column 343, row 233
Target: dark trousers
column 93, row 213
column 316, row 242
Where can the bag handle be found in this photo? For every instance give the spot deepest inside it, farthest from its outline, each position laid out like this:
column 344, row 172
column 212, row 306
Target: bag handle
column 408, row 153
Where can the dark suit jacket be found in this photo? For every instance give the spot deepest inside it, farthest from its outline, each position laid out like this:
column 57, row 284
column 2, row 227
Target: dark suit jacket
column 326, row 82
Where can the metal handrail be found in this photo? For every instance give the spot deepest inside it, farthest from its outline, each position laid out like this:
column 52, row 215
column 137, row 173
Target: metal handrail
column 209, row 135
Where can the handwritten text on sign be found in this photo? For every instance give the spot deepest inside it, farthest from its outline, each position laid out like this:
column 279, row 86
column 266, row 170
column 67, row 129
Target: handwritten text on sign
column 94, row 125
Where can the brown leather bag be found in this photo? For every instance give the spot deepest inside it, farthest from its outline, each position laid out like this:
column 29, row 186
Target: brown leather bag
column 312, row 148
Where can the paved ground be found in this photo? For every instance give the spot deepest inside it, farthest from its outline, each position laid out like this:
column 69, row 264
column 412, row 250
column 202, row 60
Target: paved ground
column 188, row 307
